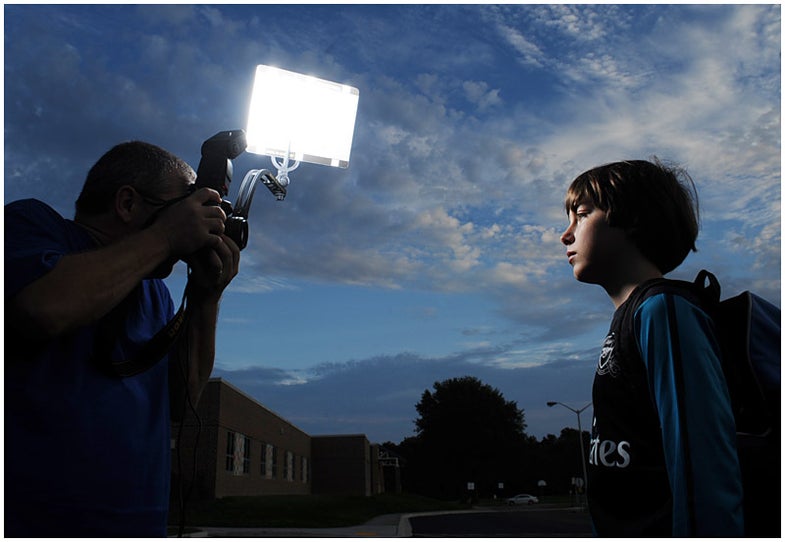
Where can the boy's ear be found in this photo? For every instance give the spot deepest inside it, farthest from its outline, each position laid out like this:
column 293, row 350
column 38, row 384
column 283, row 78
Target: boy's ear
column 634, row 229
column 126, row 203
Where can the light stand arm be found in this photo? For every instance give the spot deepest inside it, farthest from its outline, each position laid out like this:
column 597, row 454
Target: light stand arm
column 284, row 168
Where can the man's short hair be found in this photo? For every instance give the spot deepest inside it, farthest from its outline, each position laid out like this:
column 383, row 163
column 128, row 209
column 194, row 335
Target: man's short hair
column 657, row 205
column 141, row 165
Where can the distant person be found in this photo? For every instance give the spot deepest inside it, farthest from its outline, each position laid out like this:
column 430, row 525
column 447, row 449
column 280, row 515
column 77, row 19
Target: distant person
column 87, row 451
column 663, row 456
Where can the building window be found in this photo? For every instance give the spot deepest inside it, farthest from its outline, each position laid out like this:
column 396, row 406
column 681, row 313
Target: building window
column 295, row 467
column 238, row 453
column 246, row 455
column 304, row 470
column 289, row 466
column 230, row 440
column 274, row 462
column 268, row 453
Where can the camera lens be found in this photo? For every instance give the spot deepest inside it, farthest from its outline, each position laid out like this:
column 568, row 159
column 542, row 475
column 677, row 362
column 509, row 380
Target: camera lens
column 237, row 230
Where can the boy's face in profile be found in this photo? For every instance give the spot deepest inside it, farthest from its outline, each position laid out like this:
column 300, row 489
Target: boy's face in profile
column 595, row 250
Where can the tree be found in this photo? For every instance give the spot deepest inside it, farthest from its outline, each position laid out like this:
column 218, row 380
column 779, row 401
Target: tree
column 560, row 458
column 466, row 432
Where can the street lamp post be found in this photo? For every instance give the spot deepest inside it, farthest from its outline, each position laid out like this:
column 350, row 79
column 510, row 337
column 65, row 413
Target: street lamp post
column 580, row 438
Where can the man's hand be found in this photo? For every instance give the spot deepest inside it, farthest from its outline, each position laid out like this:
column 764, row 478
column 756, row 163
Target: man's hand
column 193, row 223
column 194, row 229
column 212, row 269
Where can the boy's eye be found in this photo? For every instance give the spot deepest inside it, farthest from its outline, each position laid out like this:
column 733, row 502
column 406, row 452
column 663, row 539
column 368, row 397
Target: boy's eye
column 582, row 208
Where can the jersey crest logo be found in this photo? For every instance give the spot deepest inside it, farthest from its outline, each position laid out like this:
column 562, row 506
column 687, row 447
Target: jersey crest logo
column 608, row 364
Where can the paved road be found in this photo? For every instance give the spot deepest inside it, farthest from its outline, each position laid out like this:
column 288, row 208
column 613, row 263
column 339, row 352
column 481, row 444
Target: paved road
column 517, row 522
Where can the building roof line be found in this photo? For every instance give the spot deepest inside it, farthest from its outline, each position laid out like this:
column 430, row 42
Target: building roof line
column 255, row 401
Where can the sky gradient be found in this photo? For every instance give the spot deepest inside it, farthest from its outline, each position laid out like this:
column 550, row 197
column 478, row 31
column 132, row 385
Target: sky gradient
column 436, row 254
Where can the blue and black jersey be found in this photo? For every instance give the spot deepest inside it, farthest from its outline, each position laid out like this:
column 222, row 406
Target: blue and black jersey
column 663, row 456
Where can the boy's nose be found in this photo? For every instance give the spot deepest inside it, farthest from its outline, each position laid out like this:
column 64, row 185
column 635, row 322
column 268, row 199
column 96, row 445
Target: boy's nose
column 567, row 237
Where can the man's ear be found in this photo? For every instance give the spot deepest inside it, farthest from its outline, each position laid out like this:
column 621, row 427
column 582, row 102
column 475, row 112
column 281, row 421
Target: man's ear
column 126, row 203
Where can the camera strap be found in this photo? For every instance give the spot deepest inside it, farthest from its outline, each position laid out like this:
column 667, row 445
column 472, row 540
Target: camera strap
column 155, row 349
column 148, row 354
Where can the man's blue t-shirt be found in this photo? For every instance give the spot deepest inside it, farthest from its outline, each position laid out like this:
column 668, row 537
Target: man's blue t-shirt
column 86, row 453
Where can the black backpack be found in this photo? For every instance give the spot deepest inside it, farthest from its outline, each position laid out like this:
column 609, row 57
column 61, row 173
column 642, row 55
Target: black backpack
column 748, row 331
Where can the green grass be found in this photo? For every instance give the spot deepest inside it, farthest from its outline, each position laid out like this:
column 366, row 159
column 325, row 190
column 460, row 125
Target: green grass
column 308, row 511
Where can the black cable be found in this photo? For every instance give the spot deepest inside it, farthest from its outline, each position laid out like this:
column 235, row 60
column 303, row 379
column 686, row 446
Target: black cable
column 184, row 362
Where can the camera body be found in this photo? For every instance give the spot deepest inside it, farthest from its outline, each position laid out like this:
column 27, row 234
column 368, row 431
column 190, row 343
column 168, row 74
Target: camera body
column 215, row 171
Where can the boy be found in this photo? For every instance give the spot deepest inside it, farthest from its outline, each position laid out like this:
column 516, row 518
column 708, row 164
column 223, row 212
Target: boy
column 663, row 456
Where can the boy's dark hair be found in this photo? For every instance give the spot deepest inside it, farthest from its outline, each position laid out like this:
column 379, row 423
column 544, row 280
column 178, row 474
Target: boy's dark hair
column 656, row 205
column 141, row 165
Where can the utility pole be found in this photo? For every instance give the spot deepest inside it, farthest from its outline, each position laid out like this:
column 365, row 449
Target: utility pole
column 580, row 438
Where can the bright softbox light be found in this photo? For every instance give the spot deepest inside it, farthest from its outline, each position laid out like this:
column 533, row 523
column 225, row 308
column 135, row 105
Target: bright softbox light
column 301, row 118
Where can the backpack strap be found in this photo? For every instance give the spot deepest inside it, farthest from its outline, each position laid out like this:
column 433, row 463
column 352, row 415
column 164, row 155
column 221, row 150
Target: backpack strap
column 707, row 285
column 627, row 344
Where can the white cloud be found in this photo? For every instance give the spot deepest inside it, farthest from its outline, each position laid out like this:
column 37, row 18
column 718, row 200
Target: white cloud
column 259, row 284
column 508, row 274
column 529, row 53
column 478, row 93
column 583, row 23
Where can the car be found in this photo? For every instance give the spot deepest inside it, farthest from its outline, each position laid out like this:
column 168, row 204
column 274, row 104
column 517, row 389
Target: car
column 523, row 498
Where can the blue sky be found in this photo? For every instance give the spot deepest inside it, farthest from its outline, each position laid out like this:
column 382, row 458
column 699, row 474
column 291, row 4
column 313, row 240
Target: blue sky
column 436, row 254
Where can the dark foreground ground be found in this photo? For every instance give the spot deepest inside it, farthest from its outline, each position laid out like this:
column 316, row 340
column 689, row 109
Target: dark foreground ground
column 531, row 521
column 515, row 522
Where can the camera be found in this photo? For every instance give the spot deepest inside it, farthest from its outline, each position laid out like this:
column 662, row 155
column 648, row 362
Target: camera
column 215, row 171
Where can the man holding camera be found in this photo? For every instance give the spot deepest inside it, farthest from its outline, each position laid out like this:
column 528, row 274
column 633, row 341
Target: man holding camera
column 87, row 448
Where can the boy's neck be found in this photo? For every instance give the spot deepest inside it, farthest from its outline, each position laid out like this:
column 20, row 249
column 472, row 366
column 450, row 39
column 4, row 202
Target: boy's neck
column 639, row 272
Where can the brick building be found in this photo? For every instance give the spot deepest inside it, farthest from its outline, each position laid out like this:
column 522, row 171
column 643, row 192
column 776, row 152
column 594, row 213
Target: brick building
column 345, row 465
column 242, row 448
